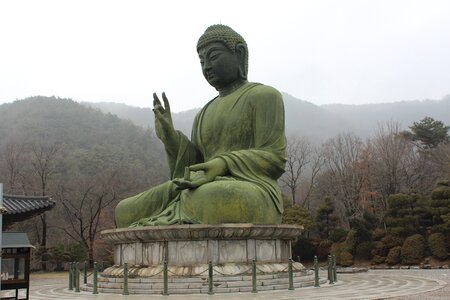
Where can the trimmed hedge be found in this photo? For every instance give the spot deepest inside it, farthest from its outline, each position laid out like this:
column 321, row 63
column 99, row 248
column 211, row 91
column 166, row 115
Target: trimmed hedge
column 392, row 240
column 393, row 257
column 323, row 249
column 364, row 250
column 438, row 245
column 413, row 250
column 377, row 259
column 379, row 249
column 343, row 256
column 345, row 259
column 304, row 249
column 378, row 234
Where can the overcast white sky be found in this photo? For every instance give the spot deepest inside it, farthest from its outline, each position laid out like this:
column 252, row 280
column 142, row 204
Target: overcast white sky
column 320, row 51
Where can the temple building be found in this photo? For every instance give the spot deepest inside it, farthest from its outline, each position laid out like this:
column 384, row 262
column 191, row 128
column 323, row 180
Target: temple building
column 15, row 246
column 20, row 208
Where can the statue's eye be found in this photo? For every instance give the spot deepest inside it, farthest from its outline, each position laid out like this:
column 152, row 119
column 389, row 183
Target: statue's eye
column 214, row 55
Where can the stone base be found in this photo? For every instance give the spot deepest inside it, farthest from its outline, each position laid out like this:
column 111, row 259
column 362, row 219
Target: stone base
column 188, row 249
column 229, row 269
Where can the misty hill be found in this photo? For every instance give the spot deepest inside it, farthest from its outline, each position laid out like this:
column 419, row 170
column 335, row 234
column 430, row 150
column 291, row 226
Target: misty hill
column 364, row 119
column 306, row 119
column 144, row 116
column 83, row 132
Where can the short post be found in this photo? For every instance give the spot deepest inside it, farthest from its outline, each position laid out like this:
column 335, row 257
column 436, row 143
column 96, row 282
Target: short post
column 71, row 276
column 334, row 269
column 291, row 275
column 210, row 278
column 74, row 273
column 254, row 277
column 166, row 279
column 125, row 279
column 330, row 269
column 77, row 277
column 94, row 279
column 85, row 272
column 316, row 272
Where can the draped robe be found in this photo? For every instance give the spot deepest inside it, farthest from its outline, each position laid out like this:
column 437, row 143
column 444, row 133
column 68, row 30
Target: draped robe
column 244, row 128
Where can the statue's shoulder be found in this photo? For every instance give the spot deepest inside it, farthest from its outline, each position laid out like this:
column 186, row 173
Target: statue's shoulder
column 260, row 91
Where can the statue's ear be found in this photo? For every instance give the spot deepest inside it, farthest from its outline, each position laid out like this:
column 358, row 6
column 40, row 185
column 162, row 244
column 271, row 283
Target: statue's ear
column 241, row 52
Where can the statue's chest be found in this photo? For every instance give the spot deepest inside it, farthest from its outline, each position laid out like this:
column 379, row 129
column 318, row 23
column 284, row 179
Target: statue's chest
column 227, row 124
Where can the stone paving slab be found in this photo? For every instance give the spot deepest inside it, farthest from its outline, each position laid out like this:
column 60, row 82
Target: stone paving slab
column 375, row 284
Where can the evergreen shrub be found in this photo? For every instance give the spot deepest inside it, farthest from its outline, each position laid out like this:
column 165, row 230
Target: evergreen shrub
column 343, row 256
column 392, row 240
column 377, row 259
column 364, row 250
column 438, row 245
column 338, row 235
column 393, row 257
column 378, row 234
column 304, row 249
column 344, row 259
column 413, row 250
column 379, row 249
column 323, row 249
column 351, row 241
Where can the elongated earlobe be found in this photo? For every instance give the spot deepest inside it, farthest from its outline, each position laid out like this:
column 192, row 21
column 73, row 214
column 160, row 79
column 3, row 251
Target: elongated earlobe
column 241, row 52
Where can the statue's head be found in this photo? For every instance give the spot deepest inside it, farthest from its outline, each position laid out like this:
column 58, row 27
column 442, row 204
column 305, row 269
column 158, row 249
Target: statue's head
column 223, row 55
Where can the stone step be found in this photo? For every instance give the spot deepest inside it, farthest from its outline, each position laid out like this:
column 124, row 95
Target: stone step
column 202, row 287
column 203, row 290
column 204, row 278
column 222, row 282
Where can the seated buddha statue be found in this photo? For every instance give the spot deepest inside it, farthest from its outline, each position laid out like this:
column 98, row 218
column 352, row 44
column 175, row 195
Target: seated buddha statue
column 227, row 171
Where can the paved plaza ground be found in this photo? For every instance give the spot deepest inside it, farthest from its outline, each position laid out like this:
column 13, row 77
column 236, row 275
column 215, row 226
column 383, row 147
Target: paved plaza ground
column 375, row 284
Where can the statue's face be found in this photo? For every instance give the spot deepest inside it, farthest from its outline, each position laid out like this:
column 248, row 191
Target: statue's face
column 220, row 66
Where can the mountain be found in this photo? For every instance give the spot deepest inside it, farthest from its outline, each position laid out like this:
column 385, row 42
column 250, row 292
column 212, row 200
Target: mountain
column 144, row 116
column 84, row 133
column 364, row 119
column 307, row 119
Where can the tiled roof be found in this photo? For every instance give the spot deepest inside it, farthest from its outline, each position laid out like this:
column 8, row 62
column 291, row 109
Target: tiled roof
column 20, row 208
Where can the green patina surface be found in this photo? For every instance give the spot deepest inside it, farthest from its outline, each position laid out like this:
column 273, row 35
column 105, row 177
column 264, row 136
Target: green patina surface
column 235, row 155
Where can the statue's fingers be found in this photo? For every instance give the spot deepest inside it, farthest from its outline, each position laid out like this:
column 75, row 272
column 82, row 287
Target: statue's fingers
column 156, row 100
column 177, row 181
column 198, row 167
column 157, row 110
column 196, row 183
column 166, row 102
column 182, row 184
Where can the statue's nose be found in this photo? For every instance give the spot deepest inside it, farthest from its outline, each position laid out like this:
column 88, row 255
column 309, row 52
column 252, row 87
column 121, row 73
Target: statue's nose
column 207, row 64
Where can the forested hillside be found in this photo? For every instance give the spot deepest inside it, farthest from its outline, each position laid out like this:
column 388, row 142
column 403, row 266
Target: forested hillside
column 84, row 159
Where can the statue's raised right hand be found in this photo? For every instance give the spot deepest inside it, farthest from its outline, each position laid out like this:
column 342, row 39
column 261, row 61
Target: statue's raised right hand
column 163, row 120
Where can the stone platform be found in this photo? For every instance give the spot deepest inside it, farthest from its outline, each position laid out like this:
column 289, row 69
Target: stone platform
column 187, row 249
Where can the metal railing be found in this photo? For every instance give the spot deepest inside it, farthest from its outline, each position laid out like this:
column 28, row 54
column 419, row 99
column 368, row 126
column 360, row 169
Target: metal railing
column 74, row 275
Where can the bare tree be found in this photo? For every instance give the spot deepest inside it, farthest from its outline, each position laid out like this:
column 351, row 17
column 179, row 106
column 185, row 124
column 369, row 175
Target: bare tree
column 315, row 166
column 13, row 161
column 44, row 165
column 345, row 174
column 298, row 151
column 397, row 164
column 390, row 149
column 84, row 202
